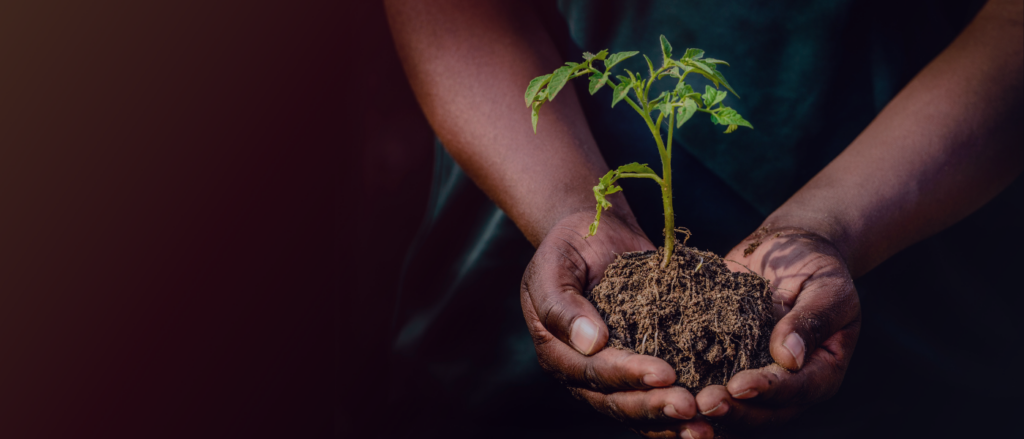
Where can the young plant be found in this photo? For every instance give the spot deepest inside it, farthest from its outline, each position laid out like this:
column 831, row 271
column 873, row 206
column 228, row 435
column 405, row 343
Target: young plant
column 674, row 108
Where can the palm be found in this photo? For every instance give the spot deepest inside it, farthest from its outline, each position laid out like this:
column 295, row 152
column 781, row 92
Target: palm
column 816, row 300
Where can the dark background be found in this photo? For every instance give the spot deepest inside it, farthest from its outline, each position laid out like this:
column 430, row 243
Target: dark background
column 203, row 210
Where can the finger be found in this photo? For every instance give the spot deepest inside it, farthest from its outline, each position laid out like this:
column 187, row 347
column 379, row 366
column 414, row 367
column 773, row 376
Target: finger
column 826, row 303
column 817, row 381
column 718, row 404
column 665, row 412
column 552, row 293
column 610, row 370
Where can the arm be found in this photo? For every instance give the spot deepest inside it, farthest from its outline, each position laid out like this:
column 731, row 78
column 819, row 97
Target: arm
column 949, row 142
column 469, row 62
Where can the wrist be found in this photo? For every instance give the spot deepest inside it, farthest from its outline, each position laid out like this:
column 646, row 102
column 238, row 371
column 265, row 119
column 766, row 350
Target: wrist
column 615, row 220
column 823, row 232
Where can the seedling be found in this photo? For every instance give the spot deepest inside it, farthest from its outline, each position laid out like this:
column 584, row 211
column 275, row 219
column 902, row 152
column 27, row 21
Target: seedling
column 674, row 107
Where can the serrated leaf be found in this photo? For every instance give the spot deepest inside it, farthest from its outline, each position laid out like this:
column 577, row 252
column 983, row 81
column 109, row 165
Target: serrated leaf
column 673, row 72
column 534, row 114
column 606, row 186
column 635, row 168
column 656, row 101
column 693, row 54
column 714, row 119
column 666, row 50
column 621, row 91
column 731, row 128
column 721, row 78
column 713, row 96
column 666, row 107
column 587, row 56
column 685, row 112
column 601, row 55
column 558, row 80
column 728, row 116
column 534, row 87
column 714, row 61
column 616, row 58
column 596, row 82
column 702, row 66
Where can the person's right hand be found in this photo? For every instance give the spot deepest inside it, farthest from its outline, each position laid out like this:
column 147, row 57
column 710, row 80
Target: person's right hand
column 570, row 336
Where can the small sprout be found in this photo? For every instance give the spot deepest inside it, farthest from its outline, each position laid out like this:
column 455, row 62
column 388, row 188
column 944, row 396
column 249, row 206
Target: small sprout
column 675, row 108
column 701, row 264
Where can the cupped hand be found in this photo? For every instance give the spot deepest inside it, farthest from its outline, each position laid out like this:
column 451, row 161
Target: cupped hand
column 570, row 336
column 818, row 315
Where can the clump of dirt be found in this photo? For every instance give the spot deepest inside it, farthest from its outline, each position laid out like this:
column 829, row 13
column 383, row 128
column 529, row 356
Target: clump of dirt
column 704, row 320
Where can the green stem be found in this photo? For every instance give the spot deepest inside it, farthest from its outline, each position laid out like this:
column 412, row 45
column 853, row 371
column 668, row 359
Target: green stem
column 666, row 193
column 632, row 175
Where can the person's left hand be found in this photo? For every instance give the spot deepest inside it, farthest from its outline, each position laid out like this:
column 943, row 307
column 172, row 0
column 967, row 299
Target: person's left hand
column 818, row 315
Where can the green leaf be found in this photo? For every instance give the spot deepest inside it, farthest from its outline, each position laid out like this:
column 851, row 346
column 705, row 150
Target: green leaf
column 558, row 80
column 728, row 116
column 616, row 58
column 666, row 107
column 707, row 68
column 534, row 114
column 721, row 78
column 712, row 96
column 635, row 168
column 687, row 111
column 534, row 87
column 596, row 82
column 684, row 88
column 601, row 55
column 621, row 91
column 650, row 66
column 731, row 128
column 587, row 56
column 693, row 54
column 666, row 50
column 606, row 186
column 714, row 61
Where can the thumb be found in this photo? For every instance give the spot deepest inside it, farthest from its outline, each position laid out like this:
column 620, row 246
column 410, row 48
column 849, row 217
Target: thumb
column 826, row 303
column 552, row 292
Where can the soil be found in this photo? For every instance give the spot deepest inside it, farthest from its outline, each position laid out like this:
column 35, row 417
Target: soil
column 704, row 320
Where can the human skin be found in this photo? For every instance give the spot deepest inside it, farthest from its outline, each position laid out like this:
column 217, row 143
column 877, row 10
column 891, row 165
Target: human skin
column 942, row 148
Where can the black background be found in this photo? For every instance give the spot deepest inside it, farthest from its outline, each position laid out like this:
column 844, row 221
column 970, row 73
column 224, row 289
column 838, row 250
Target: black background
column 202, row 208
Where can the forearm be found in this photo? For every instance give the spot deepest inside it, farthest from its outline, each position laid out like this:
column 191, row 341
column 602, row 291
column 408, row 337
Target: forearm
column 948, row 143
column 469, row 63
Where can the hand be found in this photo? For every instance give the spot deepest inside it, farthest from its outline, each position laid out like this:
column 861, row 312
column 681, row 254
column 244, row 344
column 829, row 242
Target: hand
column 570, row 335
column 818, row 314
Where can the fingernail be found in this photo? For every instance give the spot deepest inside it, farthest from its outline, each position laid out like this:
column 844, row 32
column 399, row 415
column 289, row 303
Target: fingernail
column 654, row 381
column 746, row 394
column 583, row 335
column 719, row 410
column 686, row 434
column 795, row 345
column 670, row 411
